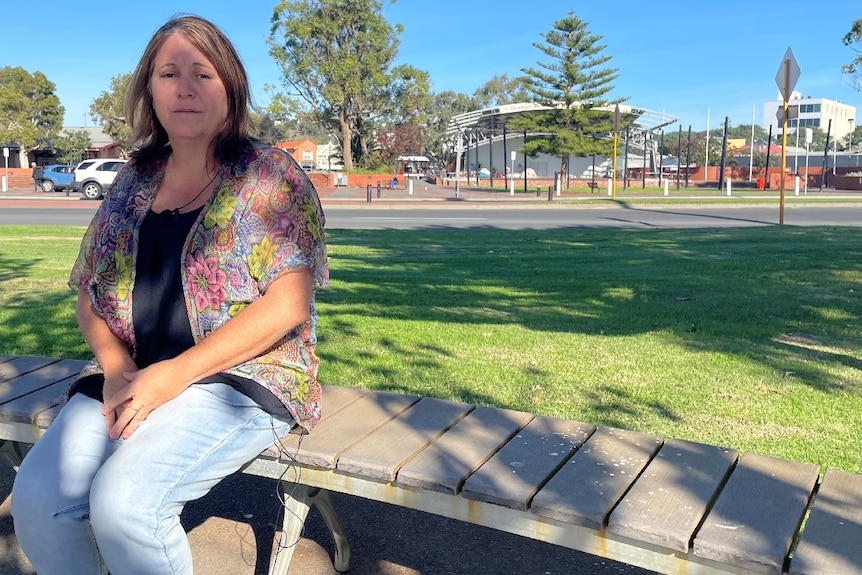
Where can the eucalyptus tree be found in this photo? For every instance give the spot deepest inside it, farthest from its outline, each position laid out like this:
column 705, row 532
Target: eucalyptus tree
column 70, row 146
column 501, row 90
column 336, row 56
column 108, row 110
column 400, row 106
column 444, row 106
column 853, row 40
column 30, row 111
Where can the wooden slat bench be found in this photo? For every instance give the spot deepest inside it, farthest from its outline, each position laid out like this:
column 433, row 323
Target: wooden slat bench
column 667, row 505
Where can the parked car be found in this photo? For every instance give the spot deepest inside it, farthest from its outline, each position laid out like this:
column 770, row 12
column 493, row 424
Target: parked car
column 57, row 177
column 93, row 177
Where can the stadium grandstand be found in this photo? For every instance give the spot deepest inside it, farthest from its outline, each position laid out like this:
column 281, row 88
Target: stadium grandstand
column 487, row 145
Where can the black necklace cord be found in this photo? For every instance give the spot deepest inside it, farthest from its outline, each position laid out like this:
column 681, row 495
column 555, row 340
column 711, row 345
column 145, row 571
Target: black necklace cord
column 176, row 211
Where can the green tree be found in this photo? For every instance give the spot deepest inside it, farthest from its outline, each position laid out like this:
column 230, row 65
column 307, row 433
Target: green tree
column 30, row 111
column 108, row 110
column 70, row 146
column 444, row 106
column 400, row 140
column 743, row 132
column 400, row 105
column 501, row 90
column 336, row 54
column 853, row 70
column 267, row 128
column 854, row 139
column 573, row 82
column 286, row 118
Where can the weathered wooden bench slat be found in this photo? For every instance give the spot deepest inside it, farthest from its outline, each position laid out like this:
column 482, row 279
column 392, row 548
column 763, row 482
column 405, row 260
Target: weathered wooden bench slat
column 516, row 472
column 381, row 453
column 27, row 408
column 31, row 373
column 758, row 513
column 590, row 484
column 668, row 501
column 831, row 543
column 38, row 386
column 336, row 399
column 345, row 427
column 445, row 464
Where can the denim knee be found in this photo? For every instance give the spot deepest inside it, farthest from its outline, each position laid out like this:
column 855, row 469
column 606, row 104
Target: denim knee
column 118, row 504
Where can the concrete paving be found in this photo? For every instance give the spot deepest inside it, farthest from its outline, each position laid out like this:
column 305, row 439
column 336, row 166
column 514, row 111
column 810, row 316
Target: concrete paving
column 421, row 192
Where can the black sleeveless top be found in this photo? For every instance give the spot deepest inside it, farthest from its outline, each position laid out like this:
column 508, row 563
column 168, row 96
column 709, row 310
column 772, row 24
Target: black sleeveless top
column 159, row 315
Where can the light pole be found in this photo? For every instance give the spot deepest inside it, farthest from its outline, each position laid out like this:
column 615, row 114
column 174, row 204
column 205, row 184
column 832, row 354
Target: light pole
column 834, row 154
column 514, row 155
column 809, row 136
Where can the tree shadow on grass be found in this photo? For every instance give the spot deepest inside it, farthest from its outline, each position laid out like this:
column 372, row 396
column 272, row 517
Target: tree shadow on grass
column 785, row 298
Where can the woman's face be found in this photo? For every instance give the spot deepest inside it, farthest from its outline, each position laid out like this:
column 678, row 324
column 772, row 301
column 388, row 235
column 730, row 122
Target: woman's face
column 189, row 98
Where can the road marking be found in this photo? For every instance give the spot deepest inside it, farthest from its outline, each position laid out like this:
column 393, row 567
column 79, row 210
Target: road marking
column 419, row 219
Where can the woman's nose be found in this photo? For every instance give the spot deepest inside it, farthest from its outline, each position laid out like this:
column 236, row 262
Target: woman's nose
column 185, row 88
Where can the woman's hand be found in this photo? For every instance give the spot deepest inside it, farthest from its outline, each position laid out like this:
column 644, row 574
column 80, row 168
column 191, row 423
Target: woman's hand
column 114, row 383
column 147, row 389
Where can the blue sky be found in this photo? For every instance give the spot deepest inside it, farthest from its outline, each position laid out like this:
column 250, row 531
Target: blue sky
column 692, row 60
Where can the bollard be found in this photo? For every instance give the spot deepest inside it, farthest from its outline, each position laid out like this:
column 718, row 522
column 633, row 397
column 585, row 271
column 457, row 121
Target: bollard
column 550, row 193
column 665, row 187
column 368, row 193
column 538, row 191
column 378, row 189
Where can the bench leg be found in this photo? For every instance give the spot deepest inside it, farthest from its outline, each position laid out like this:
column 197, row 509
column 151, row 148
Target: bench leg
column 341, row 561
column 296, row 508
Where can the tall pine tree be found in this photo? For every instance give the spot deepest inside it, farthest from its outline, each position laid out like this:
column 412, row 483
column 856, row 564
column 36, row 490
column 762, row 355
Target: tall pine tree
column 574, row 83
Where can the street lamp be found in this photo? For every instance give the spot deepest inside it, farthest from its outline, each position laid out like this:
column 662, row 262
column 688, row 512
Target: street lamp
column 809, row 137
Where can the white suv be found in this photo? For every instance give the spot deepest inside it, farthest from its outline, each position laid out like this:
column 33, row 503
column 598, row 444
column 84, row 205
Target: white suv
column 93, row 177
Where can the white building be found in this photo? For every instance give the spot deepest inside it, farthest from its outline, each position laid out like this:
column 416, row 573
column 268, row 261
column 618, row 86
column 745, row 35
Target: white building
column 815, row 113
column 486, row 144
column 329, row 157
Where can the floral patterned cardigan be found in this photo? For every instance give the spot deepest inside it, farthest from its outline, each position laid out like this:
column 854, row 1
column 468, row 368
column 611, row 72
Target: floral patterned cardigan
column 263, row 219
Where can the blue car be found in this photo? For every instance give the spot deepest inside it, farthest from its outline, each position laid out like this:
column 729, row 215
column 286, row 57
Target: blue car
column 57, row 177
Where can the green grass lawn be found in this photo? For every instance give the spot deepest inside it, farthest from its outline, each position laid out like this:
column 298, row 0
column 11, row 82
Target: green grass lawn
column 747, row 338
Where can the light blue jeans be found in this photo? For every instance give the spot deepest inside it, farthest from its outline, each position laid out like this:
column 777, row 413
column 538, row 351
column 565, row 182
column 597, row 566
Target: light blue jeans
column 84, row 504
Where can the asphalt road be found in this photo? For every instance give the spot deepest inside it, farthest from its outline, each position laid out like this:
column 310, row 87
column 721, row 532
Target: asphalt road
column 477, row 215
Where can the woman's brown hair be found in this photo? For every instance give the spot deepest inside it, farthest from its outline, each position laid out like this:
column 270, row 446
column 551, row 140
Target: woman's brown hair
column 148, row 132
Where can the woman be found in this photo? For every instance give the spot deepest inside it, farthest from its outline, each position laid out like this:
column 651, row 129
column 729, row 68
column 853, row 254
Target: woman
column 196, row 283
column 37, row 174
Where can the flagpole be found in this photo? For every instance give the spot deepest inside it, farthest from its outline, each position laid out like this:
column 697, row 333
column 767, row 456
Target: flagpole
column 751, row 149
column 706, row 160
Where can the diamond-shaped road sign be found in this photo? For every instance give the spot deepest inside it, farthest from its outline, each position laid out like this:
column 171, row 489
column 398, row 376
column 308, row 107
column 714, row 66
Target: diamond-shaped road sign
column 788, row 74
